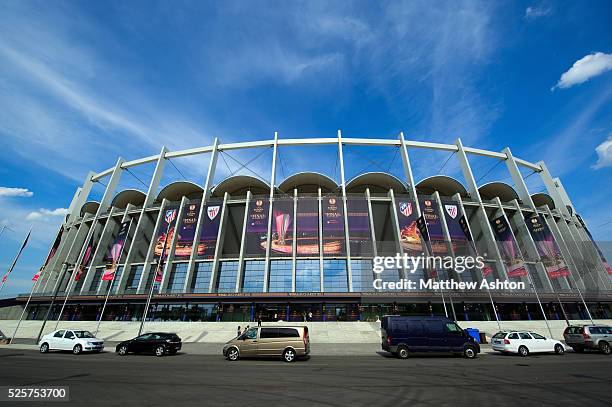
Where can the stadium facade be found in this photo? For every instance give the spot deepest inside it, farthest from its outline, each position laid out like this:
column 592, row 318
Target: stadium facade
column 302, row 247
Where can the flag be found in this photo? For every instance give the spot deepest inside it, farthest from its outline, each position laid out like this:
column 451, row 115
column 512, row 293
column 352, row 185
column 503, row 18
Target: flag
column 23, row 245
column 52, row 251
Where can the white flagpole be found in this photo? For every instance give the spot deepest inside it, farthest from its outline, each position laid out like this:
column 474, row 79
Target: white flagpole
column 26, row 305
column 23, row 245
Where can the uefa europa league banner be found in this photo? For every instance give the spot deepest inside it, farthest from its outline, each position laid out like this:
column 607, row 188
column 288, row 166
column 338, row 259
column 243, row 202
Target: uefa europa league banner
column 257, row 227
column 165, row 232
column 599, row 252
column 360, row 240
column 434, row 227
column 115, row 251
column 548, row 249
column 186, row 231
column 307, row 224
column 508, row 248
column 333, row 226
column 410, row 239
column 282, row 228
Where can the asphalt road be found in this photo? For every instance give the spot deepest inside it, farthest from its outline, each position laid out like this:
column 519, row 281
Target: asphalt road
column 204, row 380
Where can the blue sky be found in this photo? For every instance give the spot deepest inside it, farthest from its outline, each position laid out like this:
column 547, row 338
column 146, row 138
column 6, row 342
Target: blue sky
column 84, row 82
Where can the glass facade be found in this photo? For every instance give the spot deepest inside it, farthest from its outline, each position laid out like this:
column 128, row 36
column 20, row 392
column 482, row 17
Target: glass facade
column 335, row 277
column 362, row 275
column 201, row 280
column 307, row 276
column 228, row 273
column 134, row 278
column 280, row 276
column 176, row 282
column 253, row 280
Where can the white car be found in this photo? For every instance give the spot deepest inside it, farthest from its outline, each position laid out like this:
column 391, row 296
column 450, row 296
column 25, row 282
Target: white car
column 75, row 340
column 523, row 343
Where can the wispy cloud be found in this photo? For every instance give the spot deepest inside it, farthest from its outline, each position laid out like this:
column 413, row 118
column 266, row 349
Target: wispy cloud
column 584, row 69
column 604, row 154
column 15, row 192
column 533, row 12
column 46, row 214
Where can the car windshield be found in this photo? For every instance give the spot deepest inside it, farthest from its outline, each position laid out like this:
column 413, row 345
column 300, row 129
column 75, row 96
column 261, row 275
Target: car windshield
column 83, row 334
column 500, row 335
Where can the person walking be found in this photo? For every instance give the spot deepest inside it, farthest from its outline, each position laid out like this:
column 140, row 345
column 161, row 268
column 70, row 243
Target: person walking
column 259, row 320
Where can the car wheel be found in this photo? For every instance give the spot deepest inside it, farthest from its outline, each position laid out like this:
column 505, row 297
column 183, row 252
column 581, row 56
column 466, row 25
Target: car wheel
column 604, row 347
column 559, row 350
column 402, row 352
column 289, row 355
column 523, row 351
column 469, row 352
column 44, row 348
column 123, row 350
column 233, row 354
column 160, row 351
column 77, row 349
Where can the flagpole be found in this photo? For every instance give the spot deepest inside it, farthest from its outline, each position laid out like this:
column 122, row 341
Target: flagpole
column 159, row 264
column 23, row 245
column 68, row 289
column 25, row 308
column 60, row 279
column 110, row 288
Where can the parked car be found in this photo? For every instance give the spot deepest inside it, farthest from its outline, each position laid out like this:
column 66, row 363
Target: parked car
column 589, row 337
column 288, row 342
column 75, row 340
column 158, row 343
column 524, row 343
column 403, row 336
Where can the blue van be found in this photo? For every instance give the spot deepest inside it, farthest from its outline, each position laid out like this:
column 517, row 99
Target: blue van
column 405, row 335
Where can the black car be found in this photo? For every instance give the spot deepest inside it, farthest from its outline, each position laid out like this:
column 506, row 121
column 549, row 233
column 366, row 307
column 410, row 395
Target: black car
column 159, row 343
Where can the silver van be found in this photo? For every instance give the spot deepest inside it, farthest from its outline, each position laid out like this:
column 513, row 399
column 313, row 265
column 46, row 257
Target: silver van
column 288, row 342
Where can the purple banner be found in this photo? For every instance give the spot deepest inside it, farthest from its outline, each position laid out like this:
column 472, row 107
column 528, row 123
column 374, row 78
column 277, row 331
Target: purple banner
column 209, row 230
column 508, row 248
column 115, row 251
column 333, row 226
column 459, row 238
column 307, row 227
column 186, row 231
column 360, row 239
column 549, row 251
column 282, row 228
column 257, row 227
column 410, row 238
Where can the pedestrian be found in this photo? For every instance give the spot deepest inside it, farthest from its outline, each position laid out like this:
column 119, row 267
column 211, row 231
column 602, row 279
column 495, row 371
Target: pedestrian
column 246, row 329
column 239, row 332
column 259, row 320
column 310, row 315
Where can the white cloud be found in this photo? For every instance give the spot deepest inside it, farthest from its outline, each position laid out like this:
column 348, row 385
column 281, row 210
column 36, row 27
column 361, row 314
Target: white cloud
column 533, row 12
column 604, row 154
column 44, row 214
column 584, row 69
column 20, row 192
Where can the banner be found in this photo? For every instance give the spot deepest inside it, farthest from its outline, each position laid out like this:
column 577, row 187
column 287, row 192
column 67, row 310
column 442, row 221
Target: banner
column 281, row 240
column 307, row 225
column 257, row 227
column 460, row 240
column 209, row 230
column 599, row 252
column 115, row 251
column 186, row 231
column 360, row 238
column 508, row 248
column 86, row 258
column 548, row 249
column 52, row 251
column 333, row 226
column 165, row 232
column 429, row 209
column 465, row 228
column 410, row 239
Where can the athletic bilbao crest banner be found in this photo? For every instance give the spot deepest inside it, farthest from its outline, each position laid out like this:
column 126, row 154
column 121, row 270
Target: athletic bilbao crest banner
column 257, row 227
column 548, row 249
column 410, row 239
column 508, row 248
column 459, row 238
column 186, row 231
column 165, row 232
column 599, row 252
column 115, row 251
column 209, row 230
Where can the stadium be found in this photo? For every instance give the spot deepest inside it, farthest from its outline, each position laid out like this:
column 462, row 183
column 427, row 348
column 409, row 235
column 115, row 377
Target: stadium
column 300, row 247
